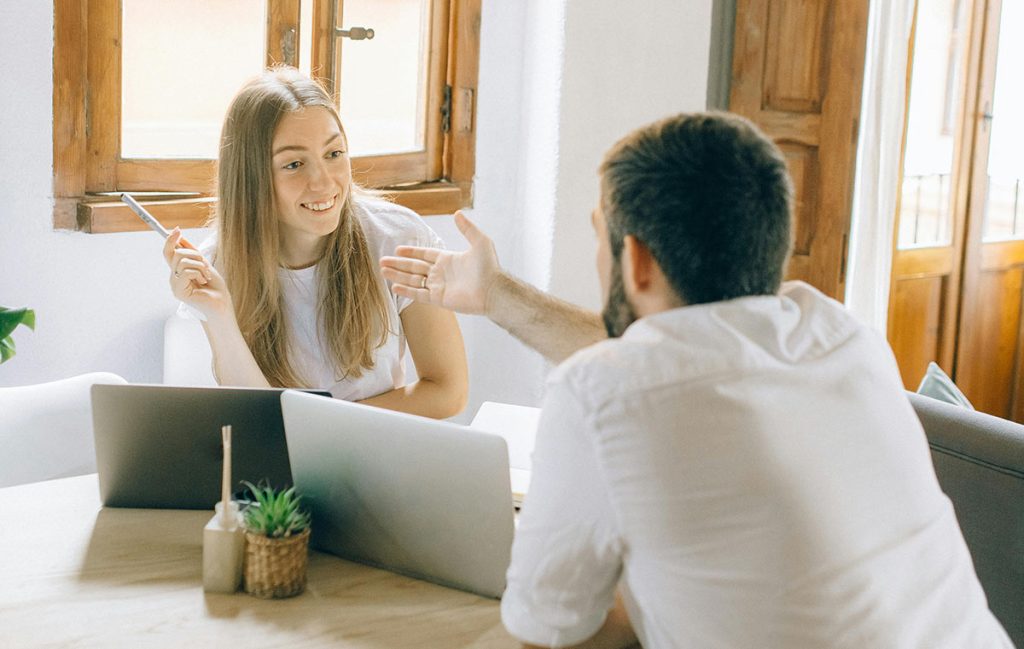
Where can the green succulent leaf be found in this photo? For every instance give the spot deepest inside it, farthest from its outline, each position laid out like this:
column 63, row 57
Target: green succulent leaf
column 275, row 513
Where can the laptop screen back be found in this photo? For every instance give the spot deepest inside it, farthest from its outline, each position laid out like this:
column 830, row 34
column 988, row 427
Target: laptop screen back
column 421, row 497
column 160, row 446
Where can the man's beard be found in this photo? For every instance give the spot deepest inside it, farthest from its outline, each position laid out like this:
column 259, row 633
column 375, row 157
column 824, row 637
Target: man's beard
column 617, row 313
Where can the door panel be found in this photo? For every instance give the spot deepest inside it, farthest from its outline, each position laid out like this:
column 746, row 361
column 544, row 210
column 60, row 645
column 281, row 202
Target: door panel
column 798, row 68
column 803, row 166
column 794, row 56
column 918, row 306
column 935, row 182
column 989, row 355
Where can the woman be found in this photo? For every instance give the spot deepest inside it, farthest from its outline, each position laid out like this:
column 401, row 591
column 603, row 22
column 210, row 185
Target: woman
column 292, row 294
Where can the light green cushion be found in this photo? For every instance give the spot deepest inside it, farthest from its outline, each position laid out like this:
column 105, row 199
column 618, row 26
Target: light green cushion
column 937, row 385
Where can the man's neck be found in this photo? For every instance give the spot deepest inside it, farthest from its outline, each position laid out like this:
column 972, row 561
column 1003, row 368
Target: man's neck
column 654, row 301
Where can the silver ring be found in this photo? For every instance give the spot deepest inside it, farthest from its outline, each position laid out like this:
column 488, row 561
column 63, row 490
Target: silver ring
column 177, row 274
column 423, row 282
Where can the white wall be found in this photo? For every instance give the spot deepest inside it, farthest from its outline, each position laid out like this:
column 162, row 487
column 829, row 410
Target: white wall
column 98, row 299
column 621, row 70
column 544, row 120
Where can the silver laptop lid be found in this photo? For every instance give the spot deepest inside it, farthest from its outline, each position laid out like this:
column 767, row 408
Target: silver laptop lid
column 160, row 445
column 421, row 497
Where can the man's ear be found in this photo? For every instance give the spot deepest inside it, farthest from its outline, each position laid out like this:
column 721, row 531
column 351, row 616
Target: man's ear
column 638, row 265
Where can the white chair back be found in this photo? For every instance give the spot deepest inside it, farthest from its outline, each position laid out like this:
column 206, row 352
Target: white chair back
column 46, row 429
column 187, row 356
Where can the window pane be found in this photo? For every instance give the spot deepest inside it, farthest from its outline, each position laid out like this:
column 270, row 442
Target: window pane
column 1004, row 207
column 182, row 62
column 384, row 80
column 926, row 210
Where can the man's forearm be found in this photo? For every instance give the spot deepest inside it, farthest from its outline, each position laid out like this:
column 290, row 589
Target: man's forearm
column 553, row 327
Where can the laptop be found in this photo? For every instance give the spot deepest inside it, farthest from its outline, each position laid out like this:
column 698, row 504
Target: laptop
column 424, row 498
column 159, row 446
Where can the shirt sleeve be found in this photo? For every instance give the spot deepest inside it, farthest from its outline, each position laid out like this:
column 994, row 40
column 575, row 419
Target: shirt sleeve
column 566, row 556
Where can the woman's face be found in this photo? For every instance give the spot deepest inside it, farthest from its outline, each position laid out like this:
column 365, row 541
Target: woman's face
column 312, row 174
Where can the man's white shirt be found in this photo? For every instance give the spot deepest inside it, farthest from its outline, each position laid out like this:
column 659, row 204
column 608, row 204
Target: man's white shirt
column 750, row 474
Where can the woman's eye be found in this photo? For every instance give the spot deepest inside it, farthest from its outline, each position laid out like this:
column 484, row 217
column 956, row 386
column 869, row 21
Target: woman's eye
column 337, row 153
column 293, row 165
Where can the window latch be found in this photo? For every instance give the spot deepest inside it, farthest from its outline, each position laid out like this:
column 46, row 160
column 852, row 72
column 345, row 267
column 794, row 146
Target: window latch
column 355, row 33
column 986, row 115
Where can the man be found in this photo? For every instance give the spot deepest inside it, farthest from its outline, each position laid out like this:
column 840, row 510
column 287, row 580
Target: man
column 737, row 466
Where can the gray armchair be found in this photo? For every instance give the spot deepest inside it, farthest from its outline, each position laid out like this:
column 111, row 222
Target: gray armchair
column 979, row 460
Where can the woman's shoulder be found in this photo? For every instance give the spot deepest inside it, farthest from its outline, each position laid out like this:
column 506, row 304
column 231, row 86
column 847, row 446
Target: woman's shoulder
column 385, row 215
column 388, row 225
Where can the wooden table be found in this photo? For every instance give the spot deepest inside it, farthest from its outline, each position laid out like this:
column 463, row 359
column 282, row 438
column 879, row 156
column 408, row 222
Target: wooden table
column 75, row 574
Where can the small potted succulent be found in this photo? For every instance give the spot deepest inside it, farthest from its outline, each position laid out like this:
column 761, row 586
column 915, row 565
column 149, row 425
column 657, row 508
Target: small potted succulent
column 276, row 543
column 9, row 321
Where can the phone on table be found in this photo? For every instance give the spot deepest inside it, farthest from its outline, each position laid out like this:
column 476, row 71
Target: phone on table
column 151, row 221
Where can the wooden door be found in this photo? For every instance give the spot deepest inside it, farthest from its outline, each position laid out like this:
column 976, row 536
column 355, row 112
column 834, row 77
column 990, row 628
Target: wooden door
column 990, row 352
column 798, row 70
column 957, row 296
column 924, row 298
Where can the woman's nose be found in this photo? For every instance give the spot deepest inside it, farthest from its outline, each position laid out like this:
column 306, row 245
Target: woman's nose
column 319, row 177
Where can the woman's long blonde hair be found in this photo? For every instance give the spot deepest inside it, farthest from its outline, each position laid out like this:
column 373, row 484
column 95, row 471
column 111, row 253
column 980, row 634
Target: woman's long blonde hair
column 352, row 315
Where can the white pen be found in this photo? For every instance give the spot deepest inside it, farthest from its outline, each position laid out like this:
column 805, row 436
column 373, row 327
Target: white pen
column 149, row 220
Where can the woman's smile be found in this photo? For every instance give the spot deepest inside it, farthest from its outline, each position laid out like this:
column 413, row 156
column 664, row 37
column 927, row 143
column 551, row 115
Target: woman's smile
column 321, row 205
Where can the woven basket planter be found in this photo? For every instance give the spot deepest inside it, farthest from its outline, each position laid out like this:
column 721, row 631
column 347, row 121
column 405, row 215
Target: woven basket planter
column 275, row 568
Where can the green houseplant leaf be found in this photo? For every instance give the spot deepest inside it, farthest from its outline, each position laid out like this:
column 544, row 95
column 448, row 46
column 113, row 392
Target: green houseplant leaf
column 9, row 321
column 275, row 513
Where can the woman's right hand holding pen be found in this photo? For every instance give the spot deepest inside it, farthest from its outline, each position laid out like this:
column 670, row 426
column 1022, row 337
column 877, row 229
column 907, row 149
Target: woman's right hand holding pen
column 195, row 281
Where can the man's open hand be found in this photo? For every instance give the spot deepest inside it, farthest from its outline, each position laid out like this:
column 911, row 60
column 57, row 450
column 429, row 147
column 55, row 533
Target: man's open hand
column 459, row 281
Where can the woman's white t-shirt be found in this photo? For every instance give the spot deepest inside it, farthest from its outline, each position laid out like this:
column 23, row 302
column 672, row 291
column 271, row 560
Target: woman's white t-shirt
column 386, row 226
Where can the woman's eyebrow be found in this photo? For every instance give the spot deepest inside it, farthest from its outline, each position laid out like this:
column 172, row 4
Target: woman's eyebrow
column 299, row 147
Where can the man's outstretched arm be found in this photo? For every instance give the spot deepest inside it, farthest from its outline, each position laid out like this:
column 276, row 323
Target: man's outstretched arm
column 474, row 282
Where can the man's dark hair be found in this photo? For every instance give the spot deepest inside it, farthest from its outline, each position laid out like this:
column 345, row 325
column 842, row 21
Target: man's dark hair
column 710, row 196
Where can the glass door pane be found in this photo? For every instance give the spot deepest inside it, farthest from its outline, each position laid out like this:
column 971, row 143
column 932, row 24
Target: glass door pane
column 1004, row 203
column 383, row 85
column 182, row 62
column 936, row 99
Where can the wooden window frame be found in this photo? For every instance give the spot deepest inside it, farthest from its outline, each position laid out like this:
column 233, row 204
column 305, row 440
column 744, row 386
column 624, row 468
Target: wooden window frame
column 88, row 170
